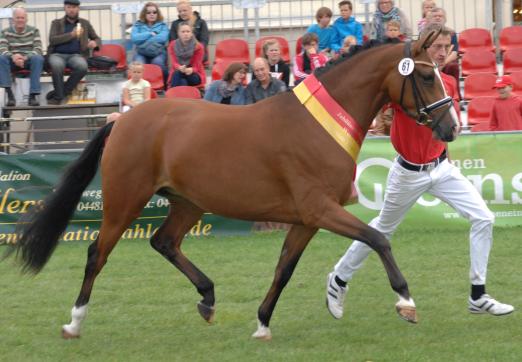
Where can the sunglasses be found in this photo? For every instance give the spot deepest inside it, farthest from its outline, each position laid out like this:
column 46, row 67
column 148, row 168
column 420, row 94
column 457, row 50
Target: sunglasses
column 152, row 12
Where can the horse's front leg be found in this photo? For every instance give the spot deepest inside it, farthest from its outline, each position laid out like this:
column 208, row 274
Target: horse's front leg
column 296, row 241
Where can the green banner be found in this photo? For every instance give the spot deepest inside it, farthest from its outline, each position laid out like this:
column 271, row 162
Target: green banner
column 492, row 162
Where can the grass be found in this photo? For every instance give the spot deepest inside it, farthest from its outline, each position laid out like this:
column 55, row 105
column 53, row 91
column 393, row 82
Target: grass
column 142, row 309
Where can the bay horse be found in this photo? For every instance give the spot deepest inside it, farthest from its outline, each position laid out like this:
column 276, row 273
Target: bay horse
column 270, row 161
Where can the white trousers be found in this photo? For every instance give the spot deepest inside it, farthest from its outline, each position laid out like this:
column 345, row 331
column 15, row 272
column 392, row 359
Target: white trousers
column 445, row 182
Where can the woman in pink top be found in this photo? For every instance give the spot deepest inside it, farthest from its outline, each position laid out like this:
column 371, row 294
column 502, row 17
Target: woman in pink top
column 309, row 59
column 186, row 56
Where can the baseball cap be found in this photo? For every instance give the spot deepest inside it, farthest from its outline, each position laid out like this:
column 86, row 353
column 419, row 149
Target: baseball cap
column 503, row 81
column 71, row 2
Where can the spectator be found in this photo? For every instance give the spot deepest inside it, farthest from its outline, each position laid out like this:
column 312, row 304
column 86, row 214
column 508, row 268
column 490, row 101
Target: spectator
column 263, row 85
column 348, row 42
column 393, row 30
column 278, row 68
column 186, row 57
column 136, row 90
column 150, row 36
column 309, row 59
column 323, row 29
column 71, row 40
column 451, row 66
column 21, row 48
column 427, row 6
column 229, row 90
column 386, row 11
column 346, row 25
column 199, row 26
column 506, row 114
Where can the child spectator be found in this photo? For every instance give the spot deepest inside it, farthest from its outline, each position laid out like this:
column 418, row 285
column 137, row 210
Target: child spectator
column 136, row 90
column 323, row 29
column 347, row 43
column 393, row 30
column 346, row 25
column 186, row 56
column 427, row 6
column 229, row 90
column 309, row 59
column 506, row 114
column 278, row 68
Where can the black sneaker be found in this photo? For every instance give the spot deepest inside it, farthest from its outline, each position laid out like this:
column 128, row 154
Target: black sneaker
column 49, row 95
column 33, row 100
column 11, row 102
column 55, row 102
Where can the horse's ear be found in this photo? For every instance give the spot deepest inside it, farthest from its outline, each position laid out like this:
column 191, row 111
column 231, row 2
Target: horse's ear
column 425, row 41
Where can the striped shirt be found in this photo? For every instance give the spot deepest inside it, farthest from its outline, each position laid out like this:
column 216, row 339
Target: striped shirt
column 27, row 42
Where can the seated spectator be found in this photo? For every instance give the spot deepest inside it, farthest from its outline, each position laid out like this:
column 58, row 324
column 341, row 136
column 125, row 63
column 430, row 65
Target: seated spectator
column 150, row 36
column 136, row 90
column 186, row 57
column 451, row 65
column 506, row 114
column 264, row 85
column 229, row 90
column 71, row 41
column 427, row 6
column 346, row 25
column 393, row 30
column 278, row 68
column 309, row 59
column 348, row 42
column 199, row 26
column 386, row 11
column 323, row 29
column 21, row 48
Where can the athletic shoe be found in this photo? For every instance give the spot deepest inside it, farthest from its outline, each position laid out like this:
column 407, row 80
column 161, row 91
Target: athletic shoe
column 486, row 304
column 335, row 296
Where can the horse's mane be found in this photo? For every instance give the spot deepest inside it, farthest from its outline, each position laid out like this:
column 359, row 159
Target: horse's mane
column 354, row 50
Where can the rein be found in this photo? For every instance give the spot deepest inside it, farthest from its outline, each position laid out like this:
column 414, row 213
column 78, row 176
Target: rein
column 424, row 112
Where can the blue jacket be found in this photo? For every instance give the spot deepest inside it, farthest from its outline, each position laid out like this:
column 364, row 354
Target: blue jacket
column 343, row 28
column 141, row 32
column 212, row 94
column 326, row 35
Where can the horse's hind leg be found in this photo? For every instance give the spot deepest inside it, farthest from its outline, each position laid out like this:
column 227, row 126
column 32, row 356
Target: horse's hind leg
column 296, row 241
column 339, row 221
column 167, row 241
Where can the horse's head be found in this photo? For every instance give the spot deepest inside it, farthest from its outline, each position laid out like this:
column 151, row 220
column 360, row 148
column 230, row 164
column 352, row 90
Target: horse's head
column 418, row 88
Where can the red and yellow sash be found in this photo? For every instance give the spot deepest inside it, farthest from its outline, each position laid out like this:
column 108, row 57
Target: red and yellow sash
column 334, row 119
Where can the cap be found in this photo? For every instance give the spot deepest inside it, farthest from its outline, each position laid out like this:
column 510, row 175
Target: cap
column 71, row 2
column 503, row 81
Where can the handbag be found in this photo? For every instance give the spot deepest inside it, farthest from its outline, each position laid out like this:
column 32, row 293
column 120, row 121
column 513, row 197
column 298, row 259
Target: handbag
column 101, row 62
column 150, row 49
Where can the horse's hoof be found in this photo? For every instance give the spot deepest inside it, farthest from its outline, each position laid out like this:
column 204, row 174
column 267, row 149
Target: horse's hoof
column 407, row 313
column 206, row 312
column 68, row 334
column 263, row 332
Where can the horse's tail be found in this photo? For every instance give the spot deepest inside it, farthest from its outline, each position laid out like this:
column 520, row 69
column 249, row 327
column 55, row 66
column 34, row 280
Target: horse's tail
column 40, row 229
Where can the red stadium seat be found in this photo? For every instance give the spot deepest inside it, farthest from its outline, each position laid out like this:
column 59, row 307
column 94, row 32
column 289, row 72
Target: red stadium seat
column 232, row 50
column 183, row 92
column 298, row 46
column 153, row 74
column 481, row 127
column 513, row 60
column 511, row 37
column 479, row 110
column 479, row 61
column 475, row 38
column 283, row 43
column 116, row 52
column 479, row 85
column 153, row 94
column 516, row 77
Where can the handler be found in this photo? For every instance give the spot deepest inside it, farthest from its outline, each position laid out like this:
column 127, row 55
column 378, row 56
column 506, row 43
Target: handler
column 422, row 166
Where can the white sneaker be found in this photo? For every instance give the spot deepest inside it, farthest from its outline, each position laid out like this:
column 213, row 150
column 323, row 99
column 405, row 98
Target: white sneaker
column 486, row 304
column 335, row 296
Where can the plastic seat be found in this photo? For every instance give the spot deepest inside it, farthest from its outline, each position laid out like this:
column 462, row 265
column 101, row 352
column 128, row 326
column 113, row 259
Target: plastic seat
column 516, row 77
column 153, row 74
column 475, row 38
column 513, row 60
column 298, row 46
column 116, row 52
column 511, row 37
column 481, row 127
column 479, row 61
column 479, row 110
column 232, row 50
column 153, row 94
column 479, row 85
column 183, row 92
column 283, row 43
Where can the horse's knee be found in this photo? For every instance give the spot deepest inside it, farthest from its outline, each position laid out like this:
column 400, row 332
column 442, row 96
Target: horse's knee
column 376, row 240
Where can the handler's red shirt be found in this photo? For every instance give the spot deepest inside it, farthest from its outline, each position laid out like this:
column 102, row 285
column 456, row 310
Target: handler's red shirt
column 413, row 142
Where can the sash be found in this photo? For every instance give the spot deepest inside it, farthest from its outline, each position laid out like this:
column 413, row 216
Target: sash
column 334, row 119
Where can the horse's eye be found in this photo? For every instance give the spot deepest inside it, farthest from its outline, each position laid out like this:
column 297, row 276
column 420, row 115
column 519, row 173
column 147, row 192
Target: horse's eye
column 428, row 79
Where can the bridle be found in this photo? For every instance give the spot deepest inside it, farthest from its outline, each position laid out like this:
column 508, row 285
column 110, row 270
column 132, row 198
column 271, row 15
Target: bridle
column 424, row 112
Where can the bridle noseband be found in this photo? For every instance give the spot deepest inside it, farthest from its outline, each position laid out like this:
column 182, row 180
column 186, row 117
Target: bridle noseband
column 424, row 112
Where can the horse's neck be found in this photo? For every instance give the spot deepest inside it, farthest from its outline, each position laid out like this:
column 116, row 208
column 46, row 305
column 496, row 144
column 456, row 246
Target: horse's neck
column 357, row 84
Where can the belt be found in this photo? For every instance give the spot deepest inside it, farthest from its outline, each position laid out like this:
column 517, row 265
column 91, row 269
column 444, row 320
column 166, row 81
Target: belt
column 424, row 167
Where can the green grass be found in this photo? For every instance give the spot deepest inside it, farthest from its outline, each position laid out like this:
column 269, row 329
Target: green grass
column 142, row 309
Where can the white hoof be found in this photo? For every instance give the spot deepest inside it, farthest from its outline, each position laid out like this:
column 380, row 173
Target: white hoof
column 263, row 332
column 407, row 310
column 72, row 330
column 69, row 331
